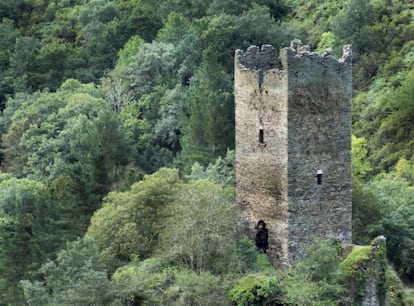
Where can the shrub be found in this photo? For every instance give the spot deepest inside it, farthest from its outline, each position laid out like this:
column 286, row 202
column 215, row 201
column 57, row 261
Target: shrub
column 256, row 289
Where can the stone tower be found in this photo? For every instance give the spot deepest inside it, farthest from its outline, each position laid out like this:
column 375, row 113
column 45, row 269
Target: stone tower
column 293, row 145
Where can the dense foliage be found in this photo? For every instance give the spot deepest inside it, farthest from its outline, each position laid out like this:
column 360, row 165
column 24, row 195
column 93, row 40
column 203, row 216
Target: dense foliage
column 117, row 131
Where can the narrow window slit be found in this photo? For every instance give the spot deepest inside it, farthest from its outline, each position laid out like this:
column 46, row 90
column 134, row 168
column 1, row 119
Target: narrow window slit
column 261, row 135
column 319, row 174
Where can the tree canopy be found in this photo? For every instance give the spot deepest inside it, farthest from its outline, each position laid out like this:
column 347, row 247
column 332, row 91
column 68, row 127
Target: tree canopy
column 117, row 121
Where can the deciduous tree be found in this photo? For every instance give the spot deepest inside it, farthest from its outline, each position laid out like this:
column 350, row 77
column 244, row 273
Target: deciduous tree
column 129, row 223
column 26, row 239
column 74, row 278
column 201, row 230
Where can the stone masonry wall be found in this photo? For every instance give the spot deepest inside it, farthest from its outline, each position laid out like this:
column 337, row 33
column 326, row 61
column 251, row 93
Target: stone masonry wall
column 302, row 104
column 319, row 138
column 261, row 168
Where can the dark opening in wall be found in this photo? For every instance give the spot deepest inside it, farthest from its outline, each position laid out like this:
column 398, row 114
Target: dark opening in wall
column 319, row 174
column 262, row 237
column 261, row 135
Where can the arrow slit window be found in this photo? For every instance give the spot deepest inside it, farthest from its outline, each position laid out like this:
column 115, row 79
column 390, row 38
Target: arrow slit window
column 261, row 135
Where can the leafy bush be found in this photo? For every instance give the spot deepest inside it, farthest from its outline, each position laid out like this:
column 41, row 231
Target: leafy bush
column 151, row 282
column 74, row 278
column 257, row 289
column 316, row 279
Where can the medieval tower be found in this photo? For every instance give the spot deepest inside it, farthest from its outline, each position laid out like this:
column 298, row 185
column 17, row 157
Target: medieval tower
column 293, row 145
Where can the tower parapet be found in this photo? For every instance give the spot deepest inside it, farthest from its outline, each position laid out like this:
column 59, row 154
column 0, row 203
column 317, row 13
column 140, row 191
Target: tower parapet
column 293, row 145
column 258, row 58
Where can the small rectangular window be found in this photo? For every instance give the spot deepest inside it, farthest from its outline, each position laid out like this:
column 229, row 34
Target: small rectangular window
column 319, row 174
column 261, row 135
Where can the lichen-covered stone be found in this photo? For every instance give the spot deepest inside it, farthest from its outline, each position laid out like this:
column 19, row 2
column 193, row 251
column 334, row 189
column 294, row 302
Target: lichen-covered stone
column 301, row 104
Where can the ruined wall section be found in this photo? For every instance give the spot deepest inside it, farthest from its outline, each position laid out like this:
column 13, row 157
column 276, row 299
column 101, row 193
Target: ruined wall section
column 261, row 160
column 319, row 138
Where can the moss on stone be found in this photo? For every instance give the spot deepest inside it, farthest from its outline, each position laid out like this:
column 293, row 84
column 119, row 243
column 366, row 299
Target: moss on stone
column 355, row 260
column 364, row 272
column 354, row 270
column 394, row 289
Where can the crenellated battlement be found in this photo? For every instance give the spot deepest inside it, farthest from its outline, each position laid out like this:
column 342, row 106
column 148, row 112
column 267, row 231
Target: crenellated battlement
column 266, row 57
column 258, row 58
column 298, row 49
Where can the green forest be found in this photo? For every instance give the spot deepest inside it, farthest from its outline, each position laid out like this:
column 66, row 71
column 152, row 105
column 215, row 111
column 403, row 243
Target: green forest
column 117, row 150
